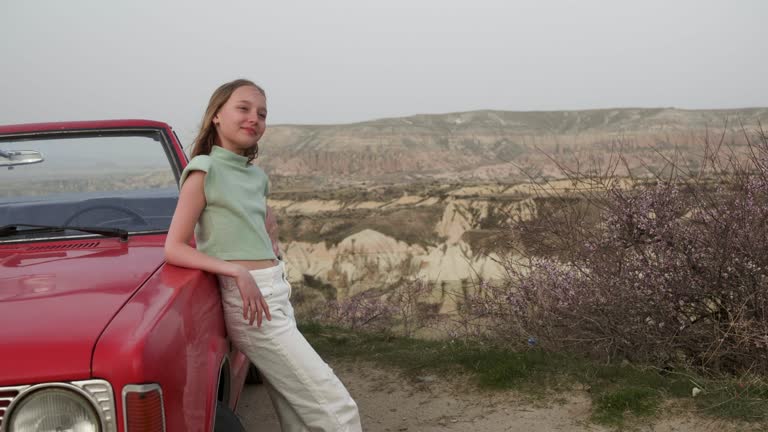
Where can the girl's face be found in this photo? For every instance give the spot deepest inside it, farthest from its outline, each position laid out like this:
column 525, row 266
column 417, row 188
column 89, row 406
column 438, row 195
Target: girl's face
column 241, row 121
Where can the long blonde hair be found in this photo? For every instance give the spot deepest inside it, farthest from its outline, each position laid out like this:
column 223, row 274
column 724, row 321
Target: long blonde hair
column 208, row 137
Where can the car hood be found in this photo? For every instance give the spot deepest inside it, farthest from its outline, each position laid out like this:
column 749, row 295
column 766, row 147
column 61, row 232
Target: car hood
column 57, row 298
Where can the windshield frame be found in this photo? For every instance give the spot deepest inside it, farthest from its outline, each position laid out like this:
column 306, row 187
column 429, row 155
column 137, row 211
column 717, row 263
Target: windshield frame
column 168, row 141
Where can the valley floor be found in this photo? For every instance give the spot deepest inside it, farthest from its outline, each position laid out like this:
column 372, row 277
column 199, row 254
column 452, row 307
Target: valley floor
column 390, row 403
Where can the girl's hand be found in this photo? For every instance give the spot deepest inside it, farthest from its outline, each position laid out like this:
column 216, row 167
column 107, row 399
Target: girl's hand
column 254, row 304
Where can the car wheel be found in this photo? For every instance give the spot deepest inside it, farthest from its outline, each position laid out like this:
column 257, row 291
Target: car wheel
column 253, row 377
column 226, row 420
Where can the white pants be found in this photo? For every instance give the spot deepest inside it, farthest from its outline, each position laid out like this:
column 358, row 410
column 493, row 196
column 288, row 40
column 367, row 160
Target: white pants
column 306, row 393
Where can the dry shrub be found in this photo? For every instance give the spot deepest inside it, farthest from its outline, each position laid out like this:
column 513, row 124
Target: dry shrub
column 671, row 270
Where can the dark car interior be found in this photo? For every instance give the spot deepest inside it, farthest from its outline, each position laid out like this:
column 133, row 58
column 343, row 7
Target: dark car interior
column 135, row 210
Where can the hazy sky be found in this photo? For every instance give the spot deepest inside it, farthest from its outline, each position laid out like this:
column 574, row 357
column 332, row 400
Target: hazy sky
column 339, row 61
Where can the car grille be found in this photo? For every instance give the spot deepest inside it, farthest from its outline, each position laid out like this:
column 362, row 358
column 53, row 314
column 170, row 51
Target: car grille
column 64, row 246
column 7, row 395
column 100, row 393
column 57, row 247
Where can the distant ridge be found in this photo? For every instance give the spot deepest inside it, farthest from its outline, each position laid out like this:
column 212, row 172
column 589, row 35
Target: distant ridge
column 480, row 144
column 759, row 112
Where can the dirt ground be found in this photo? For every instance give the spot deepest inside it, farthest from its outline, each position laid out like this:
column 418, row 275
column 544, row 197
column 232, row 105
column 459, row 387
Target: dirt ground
column 389, row 403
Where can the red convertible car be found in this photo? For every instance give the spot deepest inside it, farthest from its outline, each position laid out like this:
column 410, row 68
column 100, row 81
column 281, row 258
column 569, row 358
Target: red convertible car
column 97, row 332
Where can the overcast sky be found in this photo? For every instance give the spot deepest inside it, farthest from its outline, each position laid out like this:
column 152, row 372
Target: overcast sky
column 340, row 61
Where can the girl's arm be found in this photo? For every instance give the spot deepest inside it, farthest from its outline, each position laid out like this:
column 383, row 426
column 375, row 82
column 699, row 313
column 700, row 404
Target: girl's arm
column 188, row 209
column 178, row 251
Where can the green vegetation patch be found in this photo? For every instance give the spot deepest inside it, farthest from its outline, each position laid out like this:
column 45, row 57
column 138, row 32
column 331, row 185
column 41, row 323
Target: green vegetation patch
column 611, row 407
column 736, row 399
column 620, row 393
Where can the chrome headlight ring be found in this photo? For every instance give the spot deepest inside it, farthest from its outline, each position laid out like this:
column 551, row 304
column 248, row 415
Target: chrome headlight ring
column 97, row 393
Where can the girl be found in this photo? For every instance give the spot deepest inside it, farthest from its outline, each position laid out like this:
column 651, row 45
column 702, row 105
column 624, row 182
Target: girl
column 223, row 202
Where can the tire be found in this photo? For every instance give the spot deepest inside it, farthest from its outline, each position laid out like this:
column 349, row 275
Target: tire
column 253, row 376
column 226, row 420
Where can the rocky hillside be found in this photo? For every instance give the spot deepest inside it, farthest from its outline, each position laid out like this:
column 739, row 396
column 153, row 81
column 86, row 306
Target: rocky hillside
column 490, row 145
column 449, row 235
column 363, row 206
column 342, row 243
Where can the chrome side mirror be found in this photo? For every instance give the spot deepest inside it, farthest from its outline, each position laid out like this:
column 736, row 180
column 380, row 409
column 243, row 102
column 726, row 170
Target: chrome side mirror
column 11, row 158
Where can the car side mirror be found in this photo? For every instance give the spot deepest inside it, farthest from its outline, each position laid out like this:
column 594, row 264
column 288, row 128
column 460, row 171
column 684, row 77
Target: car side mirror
column 11, row 158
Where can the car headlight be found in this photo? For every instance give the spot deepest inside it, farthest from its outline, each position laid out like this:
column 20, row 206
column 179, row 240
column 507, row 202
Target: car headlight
column 54, row 410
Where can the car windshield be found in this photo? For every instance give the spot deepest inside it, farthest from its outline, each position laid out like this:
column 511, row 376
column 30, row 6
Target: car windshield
column 103, row 179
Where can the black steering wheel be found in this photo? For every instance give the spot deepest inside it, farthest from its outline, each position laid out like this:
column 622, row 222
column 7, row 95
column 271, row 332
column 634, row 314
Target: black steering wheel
column 135, row 217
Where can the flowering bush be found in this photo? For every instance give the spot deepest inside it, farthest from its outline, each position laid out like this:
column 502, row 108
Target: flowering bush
column 668, row 271
column 404, row 309
column 409, row 301
column 361, row 311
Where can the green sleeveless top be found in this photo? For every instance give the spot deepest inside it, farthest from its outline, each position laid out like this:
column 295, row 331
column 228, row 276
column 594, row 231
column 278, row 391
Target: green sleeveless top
column 231, row 226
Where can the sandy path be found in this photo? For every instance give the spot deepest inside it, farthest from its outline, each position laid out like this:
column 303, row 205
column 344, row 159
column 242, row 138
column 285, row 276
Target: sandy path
column 389, row 403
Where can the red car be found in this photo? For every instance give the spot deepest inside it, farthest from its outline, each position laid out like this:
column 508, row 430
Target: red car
column 97, row 332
